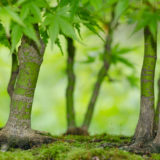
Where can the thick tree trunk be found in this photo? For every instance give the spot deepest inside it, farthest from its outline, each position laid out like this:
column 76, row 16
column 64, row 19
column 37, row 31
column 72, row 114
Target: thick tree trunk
column 14, row 73
column 17, row 131
column 71, row 124
column 144, row 129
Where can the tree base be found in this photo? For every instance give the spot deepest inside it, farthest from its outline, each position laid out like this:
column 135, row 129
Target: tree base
column 134, row 147
column 25, row 139
column 77, row 131
column 141, row 147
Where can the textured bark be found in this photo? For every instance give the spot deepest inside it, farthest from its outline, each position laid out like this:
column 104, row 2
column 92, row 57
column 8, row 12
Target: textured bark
column 71, row 85
column 156, row 119
column 101, row 75
column 14, row 73
column 144, row 129
column 17, row 131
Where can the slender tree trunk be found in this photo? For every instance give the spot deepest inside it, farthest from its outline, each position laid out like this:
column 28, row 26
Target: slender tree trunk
column 101, row 75
column 14, row 73
column 95, row 93
column 144, row 129
column 71, row 85
column 156, row 119
column 17, row 131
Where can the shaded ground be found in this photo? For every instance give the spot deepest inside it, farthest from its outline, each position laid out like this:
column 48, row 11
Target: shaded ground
column 100, row 147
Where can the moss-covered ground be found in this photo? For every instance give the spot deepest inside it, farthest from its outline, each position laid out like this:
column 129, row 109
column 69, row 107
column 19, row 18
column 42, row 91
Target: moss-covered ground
column 100, row 147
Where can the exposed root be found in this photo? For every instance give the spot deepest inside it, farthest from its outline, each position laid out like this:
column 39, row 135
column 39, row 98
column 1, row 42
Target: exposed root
column 151, row 148
column 43, row 133
column 134, row 147
column 25, row 139
column 77, row 131
column 142, row 147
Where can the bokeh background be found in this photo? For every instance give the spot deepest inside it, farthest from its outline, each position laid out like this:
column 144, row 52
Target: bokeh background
column 117, row 108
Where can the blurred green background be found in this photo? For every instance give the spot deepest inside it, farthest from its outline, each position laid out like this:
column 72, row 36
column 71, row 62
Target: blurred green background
column 117, row 108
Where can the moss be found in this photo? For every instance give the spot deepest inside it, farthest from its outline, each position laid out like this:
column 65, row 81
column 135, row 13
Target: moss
column 78, row 148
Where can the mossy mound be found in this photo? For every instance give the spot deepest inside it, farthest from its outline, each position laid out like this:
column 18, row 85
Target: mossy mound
column 100, row 147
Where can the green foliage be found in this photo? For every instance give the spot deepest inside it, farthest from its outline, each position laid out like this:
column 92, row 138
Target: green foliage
column 8, row 14
column 117, row 55
column 121, row 6
column 15, row 36
column 63, row 18
column 145, row 14
column 3, row 38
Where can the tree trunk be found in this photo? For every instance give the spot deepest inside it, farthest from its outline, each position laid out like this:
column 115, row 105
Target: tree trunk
column 71, row 85
column 101, row 75
column 156, row 119
column 18, row 132
column 95, row 93
column 144, row 129
column 14, row 73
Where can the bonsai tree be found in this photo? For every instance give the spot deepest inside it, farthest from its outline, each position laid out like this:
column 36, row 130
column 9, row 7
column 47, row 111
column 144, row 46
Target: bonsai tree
column 90, row 21
column 30, row 23
column 112, row 54
column 147, row 124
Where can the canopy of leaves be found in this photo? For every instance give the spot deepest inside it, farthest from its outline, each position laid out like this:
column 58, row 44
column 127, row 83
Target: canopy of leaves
column 27, row 17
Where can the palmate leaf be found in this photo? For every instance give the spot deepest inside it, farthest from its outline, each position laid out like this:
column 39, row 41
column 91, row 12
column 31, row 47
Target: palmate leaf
column 149, row 19
column 24, row 12
column 120, row 8
column 30, row 32
column 63, row 11
column 48, row 19
column 89, row 21
column 13, row 15
column 7, row 15
column 3, row 38
column 67, row 28
column 117, row 50
column 35, row 10
column 53, row 31
column 16, row 35
column 5, row 21
column 93, row 29
column 56, row 24
column 31, row 12
column 124, row 61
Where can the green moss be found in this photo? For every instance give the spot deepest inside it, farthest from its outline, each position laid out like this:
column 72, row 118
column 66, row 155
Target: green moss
column 78, row 148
